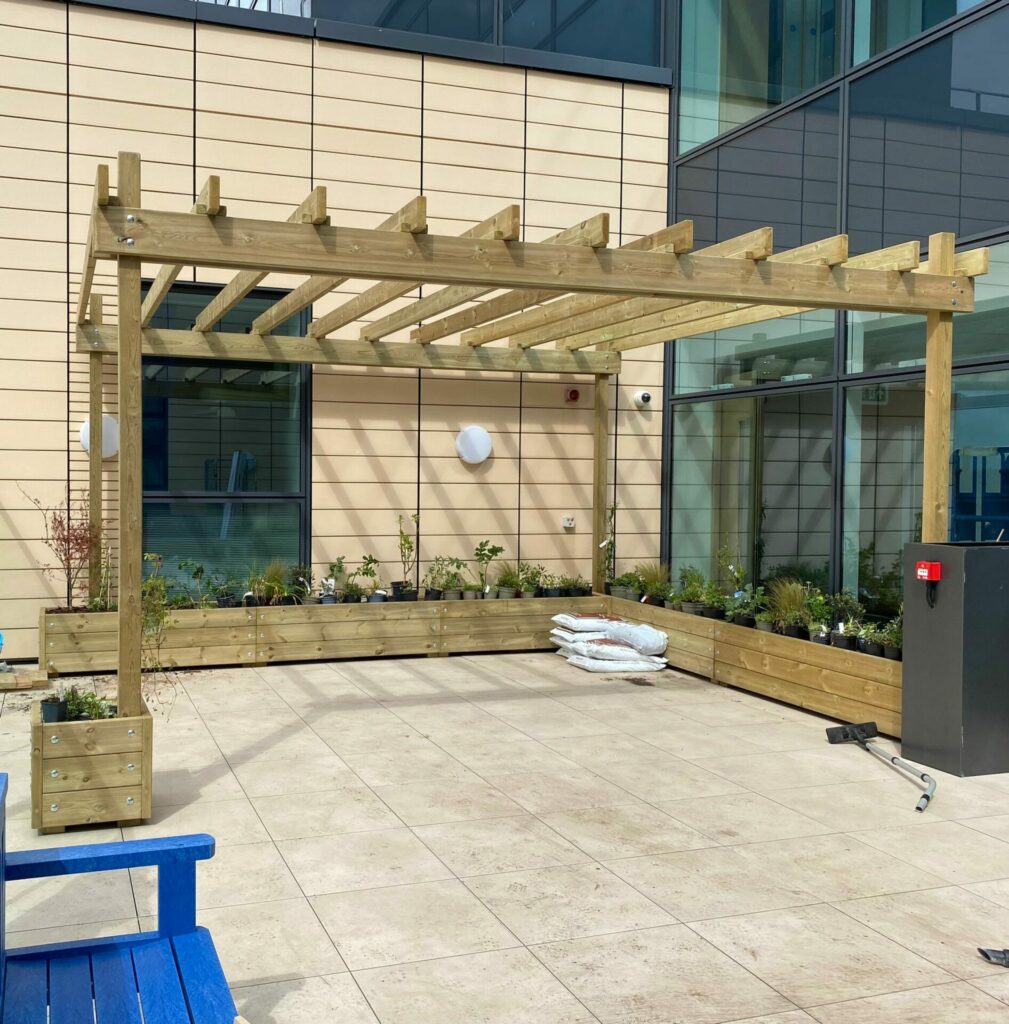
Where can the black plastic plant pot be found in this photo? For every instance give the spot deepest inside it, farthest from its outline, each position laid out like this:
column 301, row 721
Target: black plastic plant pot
column 893, row 653
column 713, row 612
column 406, row 595
column 288, row 599
column 227, row 601
column 328, row 599
column 744, row 620
column 54, row 711
column 873, row 648
column 250, row 602
column 432, row 594
column 820, row 638
column 797, row 632
column 376, row 598
column 553, row 592
column 843, row 642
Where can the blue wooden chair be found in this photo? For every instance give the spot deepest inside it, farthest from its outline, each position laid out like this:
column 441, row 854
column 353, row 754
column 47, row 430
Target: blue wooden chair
column 168, row 976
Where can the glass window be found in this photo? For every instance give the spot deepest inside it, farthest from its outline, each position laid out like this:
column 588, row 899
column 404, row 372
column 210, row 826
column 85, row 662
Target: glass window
column 753, row 474
column 929, row 140
column 882, row 488
column 880, row 24
column 458, row 19
column 218, row 438
column 783, row 173
column 738, row 60
column 629, row 32
column 878, row 341
column 776, row 351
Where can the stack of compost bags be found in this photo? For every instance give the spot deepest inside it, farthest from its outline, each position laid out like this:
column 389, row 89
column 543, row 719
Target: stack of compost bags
column 607, row 643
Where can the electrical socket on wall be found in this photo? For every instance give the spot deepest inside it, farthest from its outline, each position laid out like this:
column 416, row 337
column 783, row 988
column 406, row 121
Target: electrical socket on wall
column 568, row 522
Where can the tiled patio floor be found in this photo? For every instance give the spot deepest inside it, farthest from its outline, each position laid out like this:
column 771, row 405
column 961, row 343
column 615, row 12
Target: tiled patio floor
column 507, row 840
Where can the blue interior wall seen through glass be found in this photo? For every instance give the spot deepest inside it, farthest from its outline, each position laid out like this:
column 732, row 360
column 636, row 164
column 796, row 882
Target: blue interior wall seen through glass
column 457, row 19
column 882, row 24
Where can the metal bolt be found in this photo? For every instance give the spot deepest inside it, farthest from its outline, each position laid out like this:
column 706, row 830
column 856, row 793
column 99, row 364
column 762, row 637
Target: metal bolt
column 131, row 732
column 131, row 767
column 54, row 807
column 130, row 801
column 54, row 774
column 131, row 218
column 954, row 302
column 54, row 739
column 130, row 242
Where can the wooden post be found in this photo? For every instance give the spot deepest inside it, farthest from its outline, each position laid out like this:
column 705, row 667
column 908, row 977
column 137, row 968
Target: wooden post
column 600, row 465
column 938, row 398
column 130, row 491
column 95, row 454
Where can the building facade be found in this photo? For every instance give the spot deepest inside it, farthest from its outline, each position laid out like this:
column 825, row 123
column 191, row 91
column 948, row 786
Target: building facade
column 795, row 443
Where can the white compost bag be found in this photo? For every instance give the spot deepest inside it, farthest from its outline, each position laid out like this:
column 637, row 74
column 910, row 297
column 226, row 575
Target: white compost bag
column 644, row 639
column 586, row 623
column 601, row 665
column 610, row 650
column 569, row 637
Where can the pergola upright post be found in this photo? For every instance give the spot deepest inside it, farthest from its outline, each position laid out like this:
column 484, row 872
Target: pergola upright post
column 130, row 487
column 95, row 453
column 938, row 401
column 600, row 478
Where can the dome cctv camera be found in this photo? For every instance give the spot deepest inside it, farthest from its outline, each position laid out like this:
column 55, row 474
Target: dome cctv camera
column 642, row 399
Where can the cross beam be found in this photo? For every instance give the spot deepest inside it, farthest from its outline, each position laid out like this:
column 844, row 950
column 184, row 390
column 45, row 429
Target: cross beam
column 271, row 247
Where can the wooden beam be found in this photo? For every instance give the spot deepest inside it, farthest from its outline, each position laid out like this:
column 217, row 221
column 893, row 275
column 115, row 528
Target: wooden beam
column 832, row 250
column 594, row 232
column 131, row 563
column 95, row 316
column 208, row 204
column 938, row 400
column 569, row 306
column 677, row 238
column 411, row 218
column 705, row 317
column 274, row 348
column 99, row 201
column 269, row 247
column 971, row 262
column 310, row 213
column 504, row 225
column 600, row 479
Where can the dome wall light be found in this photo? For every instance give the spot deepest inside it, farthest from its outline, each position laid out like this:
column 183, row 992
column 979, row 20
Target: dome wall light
column 110, row 436
column 474, row 445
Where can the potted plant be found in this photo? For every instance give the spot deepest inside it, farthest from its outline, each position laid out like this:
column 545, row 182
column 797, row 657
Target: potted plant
column 551, row 585
column 485, row 554
column 654, row 577
column 845, row 637
column 509, row 580
column 87, row 706
column 404, row 589
column 369, row 570
column 330, row 590
column 452, row 579
column 892, row 637
column 580, row 587
column 742, row 607
column 870, row 640
column 530, row 576
column 845, row 607
column 818, row 612
column 274, row 581
column 198, row 597
column 819, row 633
column 300, row 583
column 471, row 591
column 764, row 620
column 627, row 586
column 255, row 589
column 222, row 588
column 786, row 598
column 712, row 601
column 691, row 585
column 54, row 708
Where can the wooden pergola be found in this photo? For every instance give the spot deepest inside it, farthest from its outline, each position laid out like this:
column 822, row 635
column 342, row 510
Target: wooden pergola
column 570, row 304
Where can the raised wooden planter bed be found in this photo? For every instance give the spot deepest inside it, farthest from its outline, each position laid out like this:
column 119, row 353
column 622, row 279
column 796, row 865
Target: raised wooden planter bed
column 89, row 772
column 86, row 641
column 848, row 685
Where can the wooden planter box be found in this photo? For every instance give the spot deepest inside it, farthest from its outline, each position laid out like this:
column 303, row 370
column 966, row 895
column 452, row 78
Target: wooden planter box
column 89, row 772
column 86, row 641
column 848, row 685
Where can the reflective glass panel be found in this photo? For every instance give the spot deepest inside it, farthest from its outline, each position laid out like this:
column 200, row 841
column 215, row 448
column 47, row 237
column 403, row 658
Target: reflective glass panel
column 882, row 342
column 929, row 140
column 629, row 32
column 458, row 19
column 880, row 24
column 776, row 351
column 783, row 173
column 753, row 474
column 738, row 60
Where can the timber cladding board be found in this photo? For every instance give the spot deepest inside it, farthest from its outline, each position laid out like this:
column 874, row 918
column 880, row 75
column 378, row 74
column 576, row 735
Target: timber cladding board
column 848, row 685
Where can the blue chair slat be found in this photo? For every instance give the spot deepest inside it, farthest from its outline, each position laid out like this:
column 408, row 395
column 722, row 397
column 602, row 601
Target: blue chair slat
column 70, row 990
column 203, row 980
column 26, row 992
column 115, row 985
column 161, row 993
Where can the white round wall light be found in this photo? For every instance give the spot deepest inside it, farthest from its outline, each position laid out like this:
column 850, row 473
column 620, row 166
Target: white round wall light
column 110, row 436
column 474, row 445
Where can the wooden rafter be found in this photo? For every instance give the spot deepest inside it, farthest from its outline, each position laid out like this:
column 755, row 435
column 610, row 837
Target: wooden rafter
column 208, row 204
column 594, row 232
column 503, row 226
column 569, row 306
column 677, row 238
column 411, row 218
column 310, row 213
column 268, row 247
column 101, row 199
column 276, row 348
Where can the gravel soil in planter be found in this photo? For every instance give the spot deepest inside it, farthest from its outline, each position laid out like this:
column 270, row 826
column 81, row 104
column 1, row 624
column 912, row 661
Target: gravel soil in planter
column 843, row 642
column 893, row 653
column 747, row 621
column 713, row 612
column 797, row 632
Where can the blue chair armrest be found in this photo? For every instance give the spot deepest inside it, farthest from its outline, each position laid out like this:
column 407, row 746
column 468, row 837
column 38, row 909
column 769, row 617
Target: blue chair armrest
column 134, row 853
